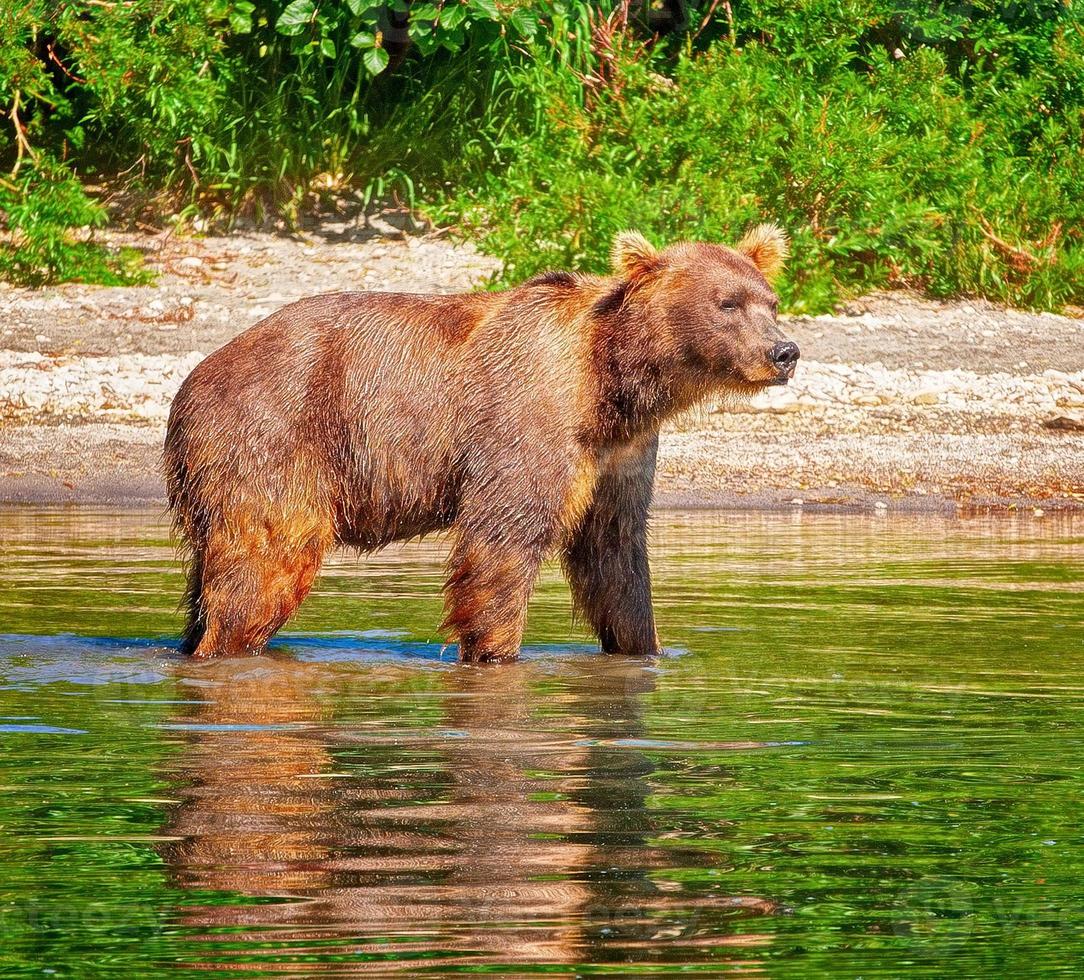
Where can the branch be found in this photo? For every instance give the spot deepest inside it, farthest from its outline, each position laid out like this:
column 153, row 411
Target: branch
column 707, row 18
column 22, row 145
column 56, row 61
column 1019, row 257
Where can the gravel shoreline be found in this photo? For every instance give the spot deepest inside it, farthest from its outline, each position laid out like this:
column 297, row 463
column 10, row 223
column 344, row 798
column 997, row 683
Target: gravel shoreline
column 899, row 402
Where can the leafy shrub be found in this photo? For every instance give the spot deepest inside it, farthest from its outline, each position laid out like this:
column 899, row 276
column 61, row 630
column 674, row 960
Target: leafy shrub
column 901, row 142
column 40, row 210
column 41, row 200
column 888, row 168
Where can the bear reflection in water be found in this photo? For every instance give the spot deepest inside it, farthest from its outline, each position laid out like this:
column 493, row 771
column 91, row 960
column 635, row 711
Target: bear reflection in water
column 468, row 816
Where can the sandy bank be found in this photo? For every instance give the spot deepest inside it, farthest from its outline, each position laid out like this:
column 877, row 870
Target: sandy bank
column 898, row 403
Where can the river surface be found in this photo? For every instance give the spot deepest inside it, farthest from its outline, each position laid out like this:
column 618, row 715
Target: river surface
column 861, row 756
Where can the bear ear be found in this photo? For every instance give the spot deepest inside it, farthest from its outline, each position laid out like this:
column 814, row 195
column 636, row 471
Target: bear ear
column 632, row 254
column 768, row 247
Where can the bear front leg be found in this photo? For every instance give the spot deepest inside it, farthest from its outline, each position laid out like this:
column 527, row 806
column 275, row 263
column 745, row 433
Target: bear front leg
column 510, row 518
column 606, row 558
column 487, row 594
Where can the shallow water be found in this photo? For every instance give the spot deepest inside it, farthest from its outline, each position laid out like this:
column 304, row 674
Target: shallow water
column 860, row 757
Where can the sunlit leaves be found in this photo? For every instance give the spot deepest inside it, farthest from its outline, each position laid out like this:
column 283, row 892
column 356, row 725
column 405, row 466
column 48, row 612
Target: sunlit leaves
column 375, row 60
column 329, row 27
column 296, row 17
column 240, row 17
column 359, row 7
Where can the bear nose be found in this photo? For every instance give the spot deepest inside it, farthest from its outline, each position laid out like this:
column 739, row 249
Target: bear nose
column 785, row 355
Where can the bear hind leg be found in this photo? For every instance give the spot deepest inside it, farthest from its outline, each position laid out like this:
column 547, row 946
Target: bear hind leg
column 195, row 624
column 249, row 586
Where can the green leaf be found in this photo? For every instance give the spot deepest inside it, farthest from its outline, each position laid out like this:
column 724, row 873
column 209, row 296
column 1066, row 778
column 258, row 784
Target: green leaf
column 359, row 7
column 327, row 47
column 423, row 12
column 375, row 60
column 451, row 17
column 363, row 39
column 452, row 40
column 524, row 22
column 424, row 38
column 240, row 17
column 487, row 7
column 296, row 17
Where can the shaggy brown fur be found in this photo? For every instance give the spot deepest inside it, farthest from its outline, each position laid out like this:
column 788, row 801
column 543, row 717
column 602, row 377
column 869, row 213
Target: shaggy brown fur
column 525, row 421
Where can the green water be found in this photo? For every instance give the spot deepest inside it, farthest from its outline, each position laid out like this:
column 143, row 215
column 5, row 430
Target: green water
column 860, row 757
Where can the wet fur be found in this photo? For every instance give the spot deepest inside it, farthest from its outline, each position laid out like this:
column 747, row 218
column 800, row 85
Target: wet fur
column 526, row 422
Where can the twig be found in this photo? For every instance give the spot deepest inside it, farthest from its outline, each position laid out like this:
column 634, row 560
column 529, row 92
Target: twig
column 141, row 162
column 731, row 30
column 50, row 49
column 707, row 18
column 187, row 144
column 1021, row 258
column 22, row 145
column 607, row 35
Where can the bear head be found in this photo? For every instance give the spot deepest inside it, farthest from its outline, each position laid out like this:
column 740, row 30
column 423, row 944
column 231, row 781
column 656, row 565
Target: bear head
column 712, row 308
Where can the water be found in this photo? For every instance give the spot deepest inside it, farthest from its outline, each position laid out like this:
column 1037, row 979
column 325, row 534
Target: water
column 860, row 757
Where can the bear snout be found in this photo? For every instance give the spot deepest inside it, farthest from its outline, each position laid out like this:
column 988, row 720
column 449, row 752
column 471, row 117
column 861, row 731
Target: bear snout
column 785, row 356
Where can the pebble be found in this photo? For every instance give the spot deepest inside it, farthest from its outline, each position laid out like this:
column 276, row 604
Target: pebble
column 136, row 385
column 828, row 393
column 822, row 386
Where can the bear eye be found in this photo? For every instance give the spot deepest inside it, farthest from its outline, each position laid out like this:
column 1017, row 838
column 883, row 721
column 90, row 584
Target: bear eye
column 729, row 305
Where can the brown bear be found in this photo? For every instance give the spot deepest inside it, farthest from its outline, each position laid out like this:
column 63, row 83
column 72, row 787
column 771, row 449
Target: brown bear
column 526, row 422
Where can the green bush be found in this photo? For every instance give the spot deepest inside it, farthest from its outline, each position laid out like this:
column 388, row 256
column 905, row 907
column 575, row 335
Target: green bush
column 927, row 144
column 887, row 167
column 48, row 218
column 81, row 87
column 222, row 106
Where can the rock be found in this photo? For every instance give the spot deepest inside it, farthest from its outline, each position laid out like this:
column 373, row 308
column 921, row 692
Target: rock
column 190, row 262
column 785, row 401
column 926, row 398
column 1066, row 422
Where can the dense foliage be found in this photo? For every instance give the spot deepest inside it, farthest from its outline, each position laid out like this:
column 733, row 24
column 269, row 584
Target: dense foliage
column 900, row 142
